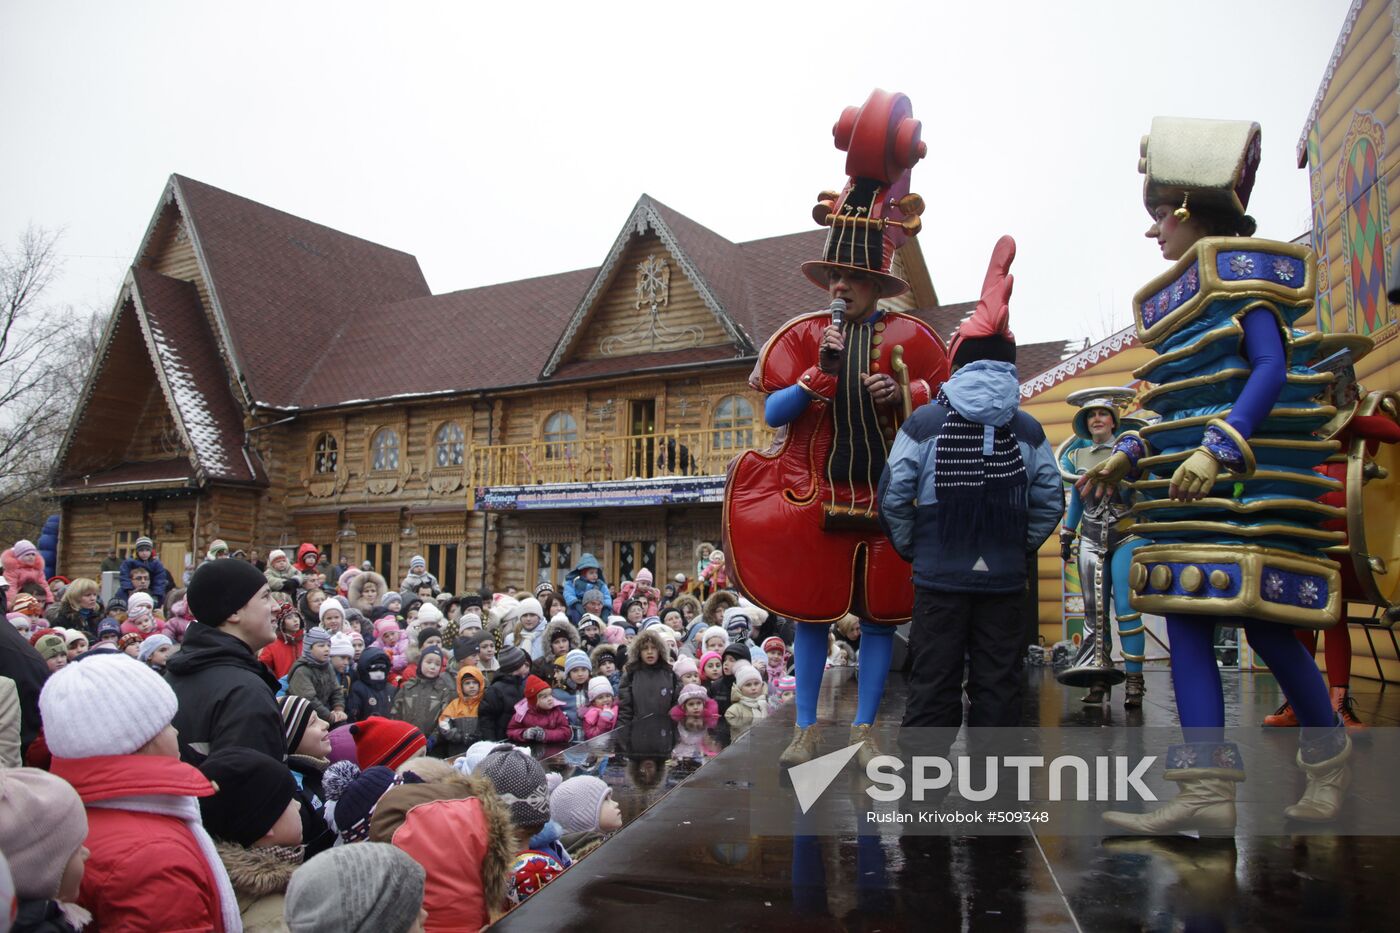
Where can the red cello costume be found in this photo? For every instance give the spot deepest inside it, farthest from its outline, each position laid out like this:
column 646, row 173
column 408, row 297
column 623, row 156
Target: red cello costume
column 801, row 531
column 801, row 534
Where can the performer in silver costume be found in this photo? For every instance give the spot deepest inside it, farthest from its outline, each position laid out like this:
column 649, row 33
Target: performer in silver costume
column 1103, row 528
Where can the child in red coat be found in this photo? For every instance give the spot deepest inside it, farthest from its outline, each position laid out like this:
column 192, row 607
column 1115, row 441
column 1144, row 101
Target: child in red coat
column 538, row 717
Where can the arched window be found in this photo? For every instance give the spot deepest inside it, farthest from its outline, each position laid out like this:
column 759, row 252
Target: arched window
column 384, row 450
column 450, row 447
column 325, row 454
column 559, row 430
column 733, row 423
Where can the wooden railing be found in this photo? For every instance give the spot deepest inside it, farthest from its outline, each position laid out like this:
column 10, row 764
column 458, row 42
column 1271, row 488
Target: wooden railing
column 607, row 458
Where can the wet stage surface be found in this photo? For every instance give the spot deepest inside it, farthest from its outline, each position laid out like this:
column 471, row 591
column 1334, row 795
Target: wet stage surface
column 686, row 859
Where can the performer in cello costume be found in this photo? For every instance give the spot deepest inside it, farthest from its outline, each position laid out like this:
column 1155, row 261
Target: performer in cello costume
column 1104, row 530
column 802, row 536
column 1228, row 491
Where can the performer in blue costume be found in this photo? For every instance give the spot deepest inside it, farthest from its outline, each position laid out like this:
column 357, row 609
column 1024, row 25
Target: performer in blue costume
column 1228, row 491
column 1103, row 527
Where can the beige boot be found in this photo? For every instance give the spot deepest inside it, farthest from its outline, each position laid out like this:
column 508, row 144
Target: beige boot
column 1207, row 773
column 869, row 750
column 1205, row 804
column 802, row 748
column 1133, row 691
column 1326, row 791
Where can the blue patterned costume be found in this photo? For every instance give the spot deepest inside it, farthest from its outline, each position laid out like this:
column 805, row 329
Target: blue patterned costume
column 1242, row 542
column 1233, row 377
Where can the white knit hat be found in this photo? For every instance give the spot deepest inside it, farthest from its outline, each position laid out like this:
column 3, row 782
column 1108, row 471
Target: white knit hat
column 599, row 686
column 531, row 606
column 342, row 646
column 746, row 673
column 139, row 702
column 714, row 631
column 429, row 614
column 139, row 601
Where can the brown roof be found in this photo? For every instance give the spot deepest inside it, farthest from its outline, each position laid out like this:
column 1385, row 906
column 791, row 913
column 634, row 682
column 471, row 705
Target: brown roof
column 276, row 274
column 283, row 285
column 484, row 337
column 177, row 470
column 192, row 374
column 1032, row 359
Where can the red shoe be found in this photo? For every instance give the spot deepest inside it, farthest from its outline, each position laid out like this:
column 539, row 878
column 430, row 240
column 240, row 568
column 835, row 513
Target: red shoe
column 1345, row 705
column 1283, row 716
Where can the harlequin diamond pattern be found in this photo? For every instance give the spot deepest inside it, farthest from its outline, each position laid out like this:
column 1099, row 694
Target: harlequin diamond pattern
column 1364, row 237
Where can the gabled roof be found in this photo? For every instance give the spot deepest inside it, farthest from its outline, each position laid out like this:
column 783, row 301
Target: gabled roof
column 170, row 326
column 192, row 376
column 280, row 284
column 713, row 265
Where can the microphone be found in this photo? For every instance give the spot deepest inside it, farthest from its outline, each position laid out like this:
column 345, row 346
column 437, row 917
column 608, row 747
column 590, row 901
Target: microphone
column 838, row 311
column 832, row 359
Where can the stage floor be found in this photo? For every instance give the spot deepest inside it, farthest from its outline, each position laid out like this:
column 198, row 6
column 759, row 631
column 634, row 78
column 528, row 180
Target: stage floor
column 686, row 860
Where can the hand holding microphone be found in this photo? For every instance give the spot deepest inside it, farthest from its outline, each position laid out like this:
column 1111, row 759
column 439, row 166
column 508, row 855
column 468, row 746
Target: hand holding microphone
column 832, row 340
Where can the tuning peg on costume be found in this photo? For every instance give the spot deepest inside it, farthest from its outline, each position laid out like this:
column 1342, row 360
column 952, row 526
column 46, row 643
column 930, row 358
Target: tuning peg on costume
column 911, row 205
column 825, row 207
column 911, row 225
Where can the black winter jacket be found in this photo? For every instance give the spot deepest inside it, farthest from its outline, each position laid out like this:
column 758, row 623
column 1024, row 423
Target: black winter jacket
column 498, row 705
column 370, row 697
column 227, row 697
column 22, row 664
column 645, row 698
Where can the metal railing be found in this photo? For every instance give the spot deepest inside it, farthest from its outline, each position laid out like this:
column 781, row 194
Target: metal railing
column 607, row 458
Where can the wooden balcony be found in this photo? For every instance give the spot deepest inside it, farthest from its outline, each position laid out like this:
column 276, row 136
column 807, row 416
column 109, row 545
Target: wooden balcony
column 612, row 459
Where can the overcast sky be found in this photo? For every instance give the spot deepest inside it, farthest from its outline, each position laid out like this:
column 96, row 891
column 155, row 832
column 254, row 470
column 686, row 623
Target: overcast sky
column 507, row 140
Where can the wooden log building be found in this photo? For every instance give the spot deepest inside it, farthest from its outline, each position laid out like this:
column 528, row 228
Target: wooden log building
column 253, row 386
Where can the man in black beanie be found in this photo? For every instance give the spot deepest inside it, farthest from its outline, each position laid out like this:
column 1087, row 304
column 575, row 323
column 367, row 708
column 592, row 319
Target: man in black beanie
column 227, row 697
column 971, row 489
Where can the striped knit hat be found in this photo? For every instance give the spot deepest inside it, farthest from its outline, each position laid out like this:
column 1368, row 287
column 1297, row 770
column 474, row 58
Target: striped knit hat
column 296, row 716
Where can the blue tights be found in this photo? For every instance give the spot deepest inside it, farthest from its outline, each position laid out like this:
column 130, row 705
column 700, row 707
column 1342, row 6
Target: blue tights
column 809, row 661
column 1200, row 702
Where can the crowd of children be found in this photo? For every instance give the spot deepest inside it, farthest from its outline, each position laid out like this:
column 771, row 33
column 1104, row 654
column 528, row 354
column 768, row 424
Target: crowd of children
column 360, row 723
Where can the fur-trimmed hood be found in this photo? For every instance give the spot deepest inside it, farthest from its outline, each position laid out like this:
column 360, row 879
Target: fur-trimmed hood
column 721, row 600
column 441, row 860
column 354, row 592
column 255, row 873
column 561, row 627
column 634, row 653
column 601, row 651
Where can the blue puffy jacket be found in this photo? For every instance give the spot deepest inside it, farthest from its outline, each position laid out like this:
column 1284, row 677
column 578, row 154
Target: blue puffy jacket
column 992, row 559
column 160, row 579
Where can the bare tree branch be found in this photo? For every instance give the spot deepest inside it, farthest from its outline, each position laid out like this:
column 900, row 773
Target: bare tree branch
column 45, row 356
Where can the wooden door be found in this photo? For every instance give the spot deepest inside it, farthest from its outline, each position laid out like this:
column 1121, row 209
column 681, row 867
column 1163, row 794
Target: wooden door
column 172, row 555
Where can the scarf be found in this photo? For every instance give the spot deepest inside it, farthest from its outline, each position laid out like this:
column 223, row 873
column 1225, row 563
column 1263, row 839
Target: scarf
column 979, row 480
column 187, row 809
column 756, row 704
